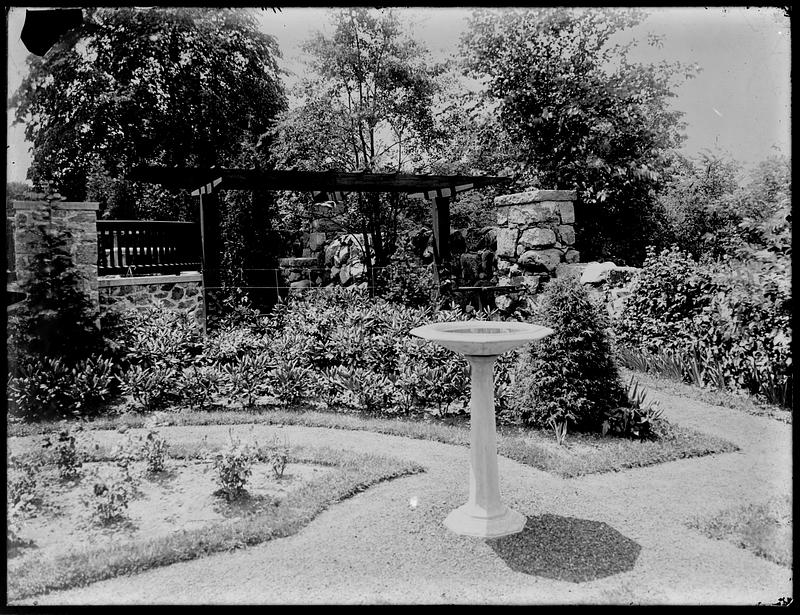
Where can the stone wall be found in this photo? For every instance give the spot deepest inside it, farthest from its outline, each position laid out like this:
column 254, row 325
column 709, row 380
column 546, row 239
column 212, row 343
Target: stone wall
column 78, row 219
column 535, row 234
column 182, row 293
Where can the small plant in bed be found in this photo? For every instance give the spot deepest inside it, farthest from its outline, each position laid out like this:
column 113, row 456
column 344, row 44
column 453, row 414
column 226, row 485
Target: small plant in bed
column 234, row 465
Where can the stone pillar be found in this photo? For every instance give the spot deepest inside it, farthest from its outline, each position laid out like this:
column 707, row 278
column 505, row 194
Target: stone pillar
column 535, row 234
column 78, row 219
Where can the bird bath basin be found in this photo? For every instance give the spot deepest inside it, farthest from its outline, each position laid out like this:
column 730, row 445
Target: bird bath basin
column 481, row 342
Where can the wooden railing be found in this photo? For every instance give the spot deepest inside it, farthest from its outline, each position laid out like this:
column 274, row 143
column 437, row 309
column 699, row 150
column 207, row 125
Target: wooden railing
column 133, row 247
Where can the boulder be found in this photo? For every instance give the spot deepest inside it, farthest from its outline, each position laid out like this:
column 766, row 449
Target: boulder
column 596, row 272
column 537, row 238
column 357, row 270
column 567, row 270
column 330, row 251
column 533, row 214
column 342, row 256
column 300, row 284
column 344, row 276
column 538, row 260
column 507, row 242
column 567, row 234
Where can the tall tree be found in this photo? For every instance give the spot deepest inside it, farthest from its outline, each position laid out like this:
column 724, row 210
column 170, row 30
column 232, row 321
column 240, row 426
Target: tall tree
column 368, row 107
column 581, row 115
column 171, row 86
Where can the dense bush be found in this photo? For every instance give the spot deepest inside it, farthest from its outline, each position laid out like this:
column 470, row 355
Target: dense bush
column 57, row 319
column 726, row 322
column 51, row 388
column 569, row 376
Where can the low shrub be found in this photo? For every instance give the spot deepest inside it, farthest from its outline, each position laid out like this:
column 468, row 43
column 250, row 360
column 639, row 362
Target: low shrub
column 197, row 386
column 569, row 375
column 108, row 501
column 156, row 337
column 154, row 450
column 289, row 383
column 234, row 465
column 48, row 387
column 637, row 419
column 246, row 379
column 67, row 457
column 149, row 386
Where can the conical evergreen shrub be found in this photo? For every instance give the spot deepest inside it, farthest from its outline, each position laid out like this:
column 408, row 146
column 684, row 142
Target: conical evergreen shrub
column 570, row 375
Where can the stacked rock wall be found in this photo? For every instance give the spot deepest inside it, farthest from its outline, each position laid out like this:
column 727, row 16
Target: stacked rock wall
column 180, row 293
column 535, row 234
column 79, row 219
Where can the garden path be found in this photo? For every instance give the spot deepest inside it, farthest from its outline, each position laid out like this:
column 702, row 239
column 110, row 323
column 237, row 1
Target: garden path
column 609, row 538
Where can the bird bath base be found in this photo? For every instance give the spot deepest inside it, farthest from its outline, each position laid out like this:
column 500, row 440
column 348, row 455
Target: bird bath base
column 483, row 515
column 467, row 521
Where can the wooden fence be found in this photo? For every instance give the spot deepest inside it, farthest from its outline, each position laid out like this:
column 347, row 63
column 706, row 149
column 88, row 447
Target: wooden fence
column 134, row 247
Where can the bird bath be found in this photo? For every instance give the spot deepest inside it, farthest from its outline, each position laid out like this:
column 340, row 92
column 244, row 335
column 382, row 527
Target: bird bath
column 481, row 342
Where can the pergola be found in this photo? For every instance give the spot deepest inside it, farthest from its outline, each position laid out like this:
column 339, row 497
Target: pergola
column 206, row 182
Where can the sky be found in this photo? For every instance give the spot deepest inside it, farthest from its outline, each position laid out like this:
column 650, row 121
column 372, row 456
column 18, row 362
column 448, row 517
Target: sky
column 739, row 103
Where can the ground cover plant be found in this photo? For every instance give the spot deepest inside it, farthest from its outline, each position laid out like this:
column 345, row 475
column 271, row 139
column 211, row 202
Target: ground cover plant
column 131, row 522
column 764, row 529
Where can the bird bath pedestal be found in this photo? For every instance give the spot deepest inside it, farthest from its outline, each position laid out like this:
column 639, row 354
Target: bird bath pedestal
column 481, row 342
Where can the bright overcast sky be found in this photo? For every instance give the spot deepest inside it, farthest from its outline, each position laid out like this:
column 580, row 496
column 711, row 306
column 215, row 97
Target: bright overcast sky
column 739, row 103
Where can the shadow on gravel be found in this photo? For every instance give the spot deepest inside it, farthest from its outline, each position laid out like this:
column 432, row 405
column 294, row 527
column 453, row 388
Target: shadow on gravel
column 567, row 549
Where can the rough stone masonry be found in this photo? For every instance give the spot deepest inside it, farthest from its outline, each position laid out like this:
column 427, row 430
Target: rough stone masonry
column 536, row 233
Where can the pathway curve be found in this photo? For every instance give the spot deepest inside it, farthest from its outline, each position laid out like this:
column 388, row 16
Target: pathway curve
column 608, row 538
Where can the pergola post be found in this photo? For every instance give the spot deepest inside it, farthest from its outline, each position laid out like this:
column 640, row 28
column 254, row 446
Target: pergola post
column 440, row 215
column 211, row 245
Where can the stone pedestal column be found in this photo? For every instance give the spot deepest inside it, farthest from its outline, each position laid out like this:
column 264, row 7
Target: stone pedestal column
column 79, row 219
column 535, row 234
column 484, row 514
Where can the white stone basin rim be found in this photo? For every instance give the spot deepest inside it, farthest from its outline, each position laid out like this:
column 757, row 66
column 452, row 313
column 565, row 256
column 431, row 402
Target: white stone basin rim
column 480, row 337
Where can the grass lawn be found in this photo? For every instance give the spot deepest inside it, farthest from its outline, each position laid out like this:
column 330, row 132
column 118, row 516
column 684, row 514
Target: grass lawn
column 582, row 453
column 113, row 551
column 764, row 529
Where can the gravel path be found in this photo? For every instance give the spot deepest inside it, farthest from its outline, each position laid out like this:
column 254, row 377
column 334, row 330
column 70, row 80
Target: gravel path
column 611, row 538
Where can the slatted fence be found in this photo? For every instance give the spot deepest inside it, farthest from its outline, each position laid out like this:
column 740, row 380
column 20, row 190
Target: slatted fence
column 143, row 247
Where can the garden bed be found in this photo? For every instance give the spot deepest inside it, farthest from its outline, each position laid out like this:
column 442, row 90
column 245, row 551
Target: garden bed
column 177, row 515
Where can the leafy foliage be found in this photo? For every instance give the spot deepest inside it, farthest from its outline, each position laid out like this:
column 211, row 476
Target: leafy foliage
column 368, row 107
column 172, row 86
column 727, row 322
column 234, row 466
column 68, row 458
column 49, row 388
column 580, row 115
column 58, row 318
column 569, row 375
